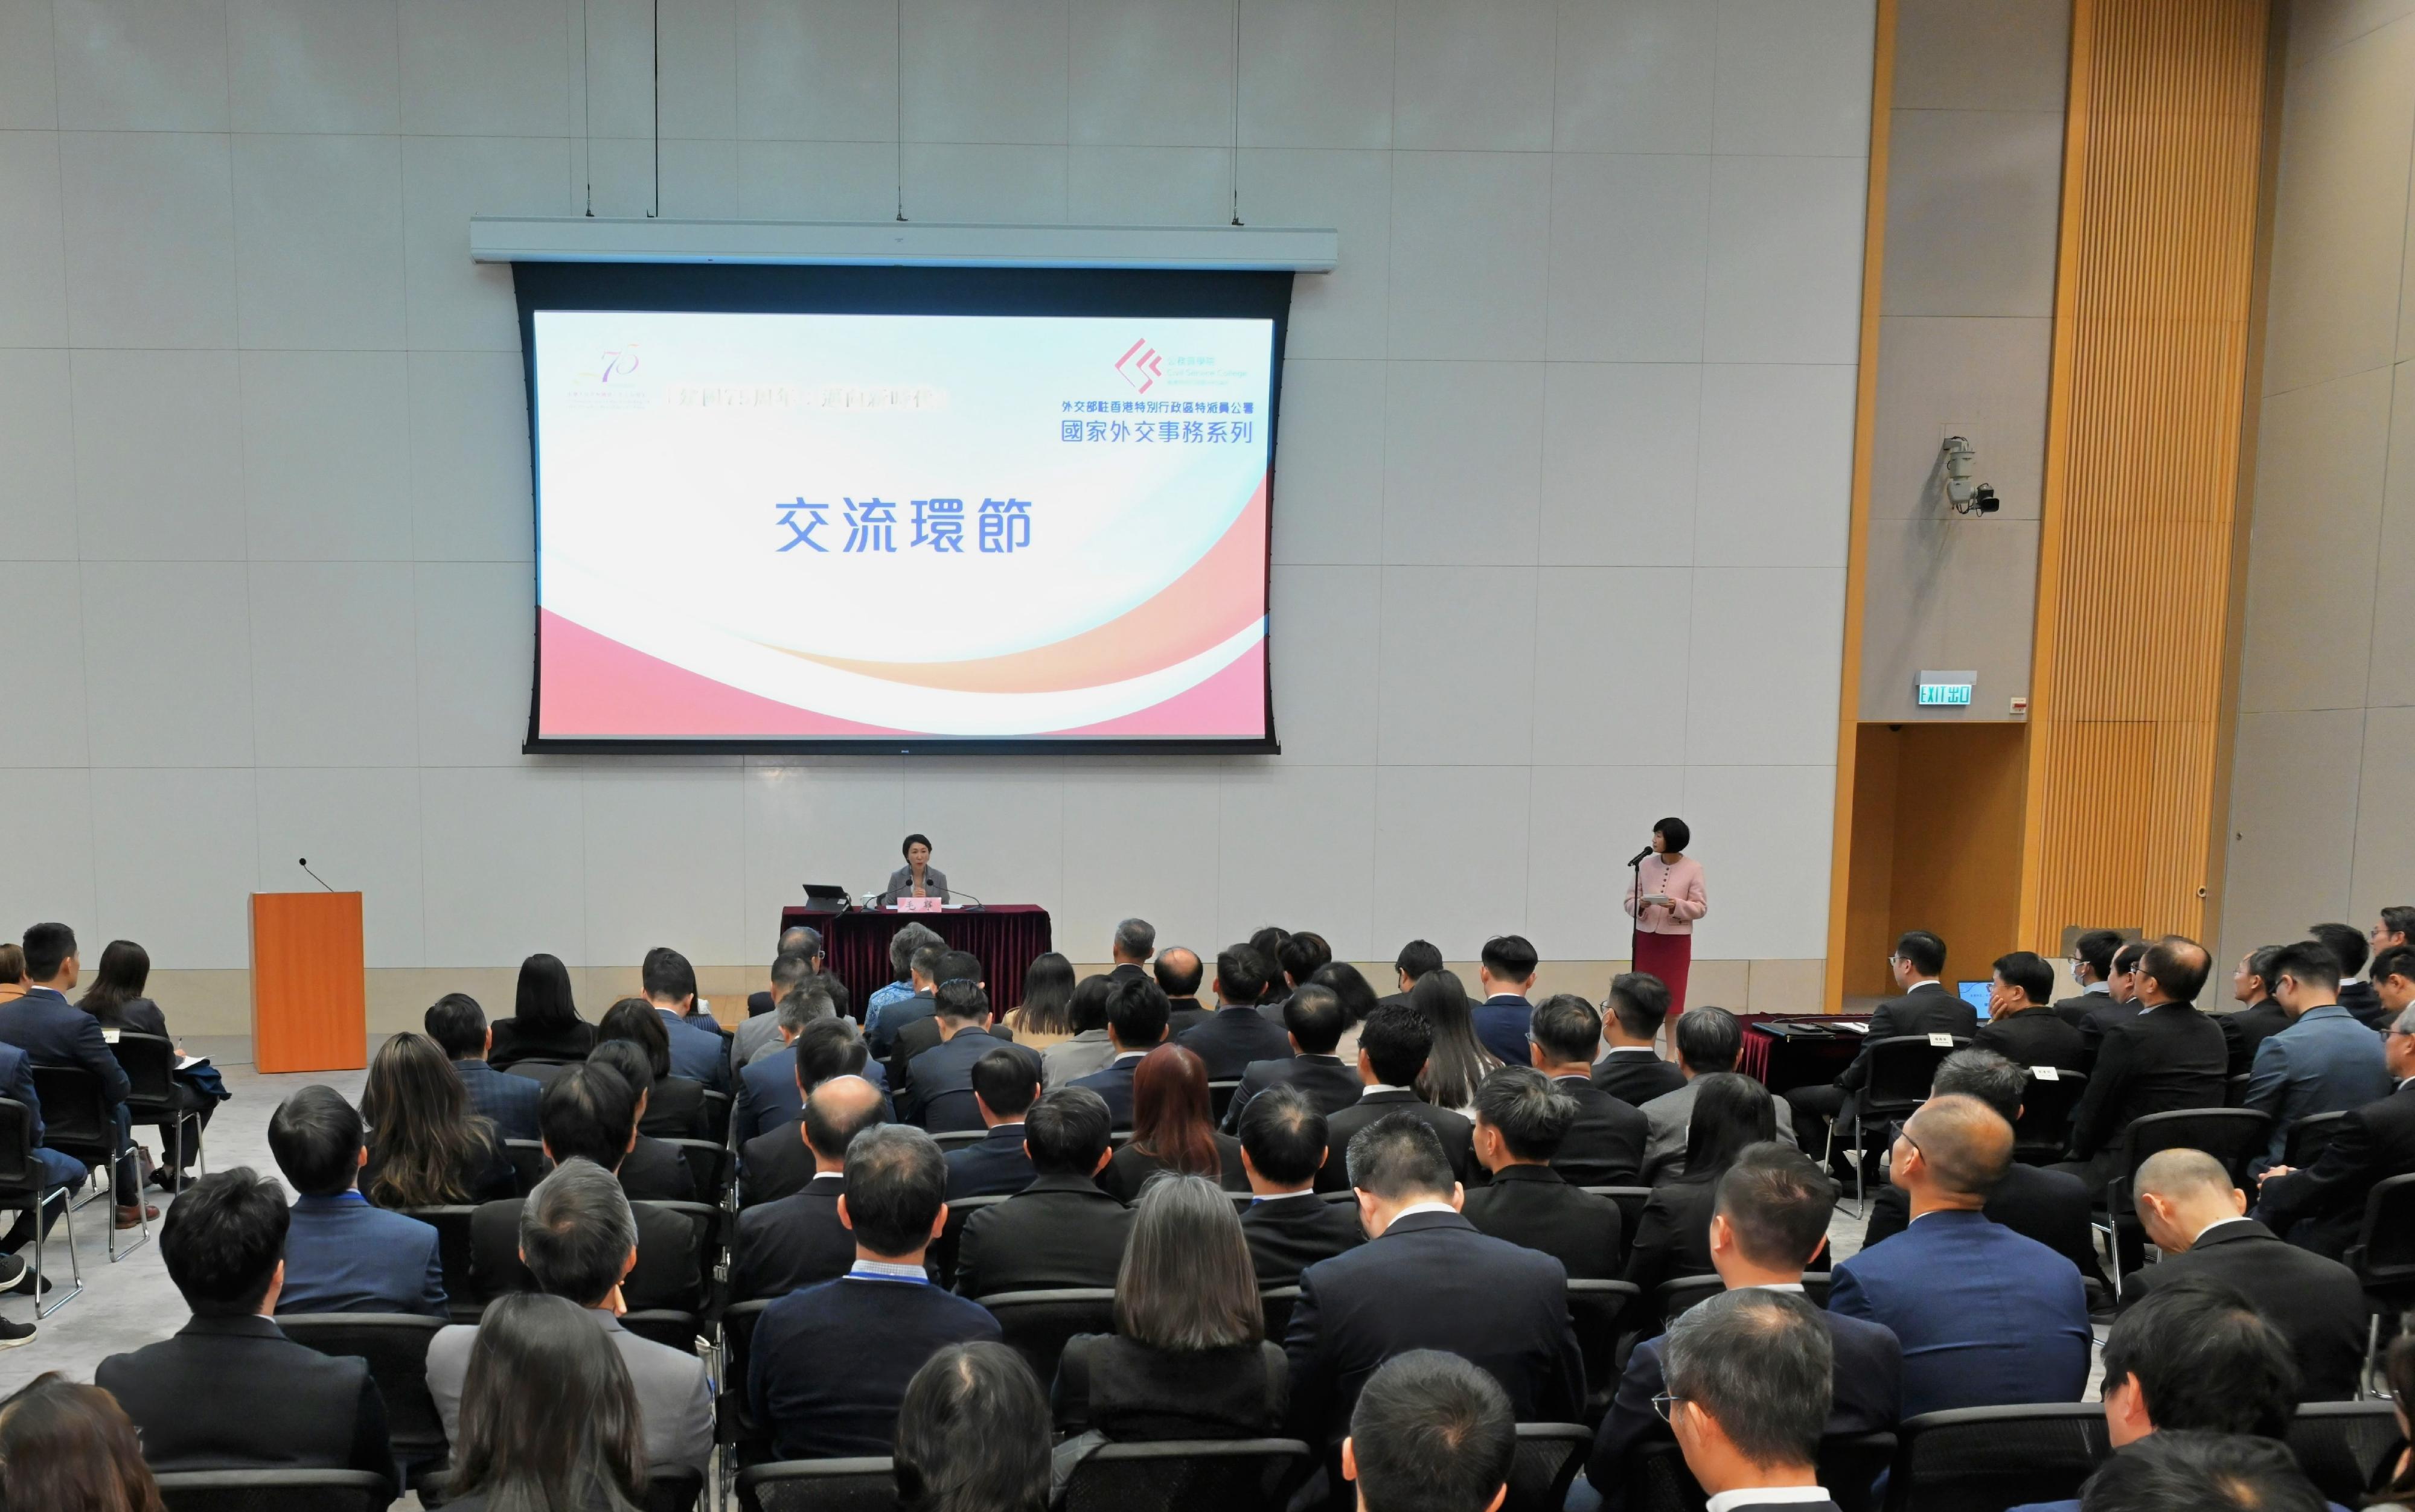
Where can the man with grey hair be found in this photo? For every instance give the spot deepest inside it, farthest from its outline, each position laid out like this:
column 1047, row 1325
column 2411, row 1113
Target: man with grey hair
column 760, row 1034
column 902, row 946
column 2321, row 1206
column 1750, row 1373
column 579, row 1238
column 767, row 1089
column 923, row 972
column 1136, row 942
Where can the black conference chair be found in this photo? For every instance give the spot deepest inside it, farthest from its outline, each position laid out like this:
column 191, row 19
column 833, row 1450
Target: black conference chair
column 2309, row 1137
column 674, row 1490
column 2234, row 1136
column 25, row 1188
column 540, row 1072
column 1038, row 1324
column 957, row 1139
column 1630, row 1201
column 1988, row 1459
column 1901, row 1067
column 1277, row 1302
column 2383, row 1257
column 463, row 1291
column 1191, row 1475
column 529, row 1163
column 1547, row 1460
column 149, row 1061
column 709, row 1164
column 943, row 1249
column 664, row 1327
column 77, row 1120
column 2344, row 1446
column 396, row 1346
column 717, row 1116
column 819, row 1486
column 2234, row 1090
column 1676, row 1297
column 706, row 1239
column 734, row 1425
column 2048, row 1103
column 274, row 1490
column 1220, row 1098
column 1597, row 1309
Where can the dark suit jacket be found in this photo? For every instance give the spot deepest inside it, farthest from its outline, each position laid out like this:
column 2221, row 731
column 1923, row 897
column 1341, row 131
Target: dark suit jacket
column 2033, row 1036
column 666, row 1276
column 1868, row 1396
column 1187, row 1014
column 794, row 1242
column 774, row 1164
column 516, row 1041
column 1133, row 1392
column 2249, row 1027
column 882, row 1329
column 2102, row 1016
column 1289, row 1233
column 1131, row 1167
column 1927, row 1009
column 56, row 1032
column 1636, row 1076
column 2363, row 1004
column 1604, row 1146
column 1433, row 1281
column 895, row 1019
column 1458, row 1134
column 675, row 1110
column 922, row 1033
column 1059, row 1231
column 698, row 1054
column 236, row 1394
column 1531, row 1206
column 2051, row 1207
column 508, row 1101
column 656, row 1171
column 1673, row 1237
column 1113, row 1082
column 768, row 1095
column 1501, row 1023
column 1232, row 1038
column 1324, row 1080
column 342, row 1255
column 2166, row 1059
column 996, row 1167
column 2318, row 1304
column 936, row 1090
column 2322, row 1207
column 2075, row 1009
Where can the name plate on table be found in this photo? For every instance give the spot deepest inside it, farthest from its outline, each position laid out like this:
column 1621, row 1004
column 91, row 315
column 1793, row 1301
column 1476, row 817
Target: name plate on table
column 919, row 905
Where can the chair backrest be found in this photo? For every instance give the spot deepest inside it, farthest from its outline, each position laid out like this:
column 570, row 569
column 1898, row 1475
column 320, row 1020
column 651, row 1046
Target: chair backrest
column 717, row 1116
column 2342, row 1445
column 674, row 1489
column 943, row 1249
column 1597, row 1309
column 1674, row 1296
column 738, row 1322
column 708, row 1163
column 1547, row 1460
column 1277, row 1302
column 1038, row 1324
column 2384, row 1255
column 529, row 1162
column 2234, row 1090
column 74, row 1117
column 540, row 1072
column 957, row 1139
column 1220, row 1097
column 663, row 1326
column 2231, row 1135
column 2046, row 1107
column 149, row 1061
column 1630, row 1201
column 21, row 1177
column 705, row 1239
column 1901, row 1067
column 819, row 1486
column 1988, row 1458
column 2309, row 1137
column 1192, row 1475
column 463, row 1291
column 394, row 1345
column 273, row 1490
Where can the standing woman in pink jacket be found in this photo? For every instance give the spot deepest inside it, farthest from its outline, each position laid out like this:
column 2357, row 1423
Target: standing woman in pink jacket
column 1670, row 883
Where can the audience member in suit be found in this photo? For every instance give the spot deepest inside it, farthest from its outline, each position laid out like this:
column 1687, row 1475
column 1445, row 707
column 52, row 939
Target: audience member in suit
column 116, row 1000
column 775, row 1162
column 1458, row 1061
column 2166, row 1057
column 2324, row 1062
column 798, row 1241
column 699, row 1054
column 1986, row 1317
column 918, row 1034
column 895, row 1204
column 1709, row 1040
column 1171, row 1130
column 1630, row 1069
column 1927, row 1006
column 653, row 1171
column 1289, row 1227
column 1342, row 980
column 1237, row 1033
column 2347, row 945
column 52, row 1031
column 2216, row 1471
column 2021, row 1027
column 1178, row 971
column 545, row 1023
column 1128, row 953
column 1431, row 1433
column 58, row 1169
column 1004, row 1088
column 2119, row 1004
column 1062, row 1230
column 1393, row 1045
column 972, row 1432
column 936, row 1090
column 1750, row 1379
column 581, row 1242
column 342, row 1255
column 896, row 1014
column 2263, row 1017
column 1416, row 959
column 1771, row 1218
column 1520, row 1119
column 767, row 1081
column 677, row 1110
column 458, row 1026
column 760, row 1034
column 1505, row 972
column 1088, row 1048
column 2051, row 1207
column 1314, row 1019
column 230, row 1391
column 2321, row 1207
column 2093, row 964
column 909, row 941
column 1673, row 1236
column 1605, row 1142
column 1136, row 1015
column 551, row 1415
column 1190, row 1357
column 426, row 1149
column 589, row 1113
column 1426, row 1279
column 2193, row 1214
column 1297, row 958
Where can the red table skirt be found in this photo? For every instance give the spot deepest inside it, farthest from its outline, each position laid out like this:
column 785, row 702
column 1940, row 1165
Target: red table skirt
column 1005, row 937
column 1808, row 1062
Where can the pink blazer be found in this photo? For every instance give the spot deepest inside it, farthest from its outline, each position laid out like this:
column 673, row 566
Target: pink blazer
column 1681, row 881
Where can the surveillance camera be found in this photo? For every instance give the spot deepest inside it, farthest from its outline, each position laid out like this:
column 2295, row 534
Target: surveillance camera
column 1983, row 501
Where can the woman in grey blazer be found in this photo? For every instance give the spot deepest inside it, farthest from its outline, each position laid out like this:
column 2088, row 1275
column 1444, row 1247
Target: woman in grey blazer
column 918, row 878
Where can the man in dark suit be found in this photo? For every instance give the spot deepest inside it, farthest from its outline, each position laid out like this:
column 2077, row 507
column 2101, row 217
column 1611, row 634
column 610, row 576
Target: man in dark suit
column 1986, row 1317
column 1288, row 1225
column 1630, row 1069
column 1605, row 1144
column 2093, row 964
column 51, row 1031
column 1506, row 974
column 2349, row 945
column 1749, row 1391
column 228, row 1391
column 774, row 1163
column 1178, row 971
column 1062, row 1230
column 1416, row 959
column 1135, row 941
column 1926, row 1007
column 1238, row 1034
column 2193, row 1214
column 700, row 1054
column 458, row 1026
column 1426, row 1279
column 2321, row 1207
column 882, row 1028
column 2166, row 1057
column 1297, row 958
column 1394, row 1044
column 1136, row 1015
column 342, row 1255
column 936, row 1089
column 1772, row 1216
column 1315, row 1018
column 1520, row 1119
column 2021, row 1027
column 2251, row 983
column 1004, row 1087
column 1431, row 1433
column 798, row 1241
column 916, row 1035
column 766, row 1083
column 883, row 1316
column 2324, row 1062
column 2119, row 1002
column 654, row 1170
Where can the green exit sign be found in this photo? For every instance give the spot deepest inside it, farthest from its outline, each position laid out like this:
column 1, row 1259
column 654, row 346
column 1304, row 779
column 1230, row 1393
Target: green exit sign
column 1945, row 690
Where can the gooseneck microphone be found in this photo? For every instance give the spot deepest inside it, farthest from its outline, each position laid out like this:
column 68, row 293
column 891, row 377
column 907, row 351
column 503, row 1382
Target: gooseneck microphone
column 1637, row 860
column 304, row 862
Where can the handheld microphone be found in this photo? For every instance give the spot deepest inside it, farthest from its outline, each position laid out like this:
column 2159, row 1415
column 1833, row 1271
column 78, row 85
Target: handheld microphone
column 1637, row 860
column 304, row 862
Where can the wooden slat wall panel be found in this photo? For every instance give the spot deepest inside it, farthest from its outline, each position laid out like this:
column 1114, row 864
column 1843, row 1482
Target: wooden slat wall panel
column 2155, row 298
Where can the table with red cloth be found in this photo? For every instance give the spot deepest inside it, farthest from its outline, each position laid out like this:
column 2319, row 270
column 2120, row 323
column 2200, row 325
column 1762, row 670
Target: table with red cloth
column 1003, row 936
column 1783, row 1062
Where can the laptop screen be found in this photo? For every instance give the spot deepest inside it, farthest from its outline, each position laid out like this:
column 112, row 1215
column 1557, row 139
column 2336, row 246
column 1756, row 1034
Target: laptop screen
column 1975, row 994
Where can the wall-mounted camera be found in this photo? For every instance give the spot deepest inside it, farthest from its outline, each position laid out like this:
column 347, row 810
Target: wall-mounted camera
column 1956, row 457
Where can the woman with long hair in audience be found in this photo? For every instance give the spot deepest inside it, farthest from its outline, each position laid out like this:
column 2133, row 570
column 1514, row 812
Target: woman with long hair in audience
column 1459, row 1062
column 69, row 1448
column 1673, row 1237
column 1358, row 1000
column 1045, row 1015
column 426, row 1149
column 115, row 998
column 675, row 1108
column 972, row 1434
column 545, row 1023
column 1174, row 1128
column 1190, row 1357
column 549, row 1418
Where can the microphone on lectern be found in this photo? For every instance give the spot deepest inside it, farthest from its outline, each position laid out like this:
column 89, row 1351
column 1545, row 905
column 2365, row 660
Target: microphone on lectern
column 304, row 862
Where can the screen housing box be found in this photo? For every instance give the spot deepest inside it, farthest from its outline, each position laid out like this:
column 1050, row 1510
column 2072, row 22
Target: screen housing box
column 902, row 244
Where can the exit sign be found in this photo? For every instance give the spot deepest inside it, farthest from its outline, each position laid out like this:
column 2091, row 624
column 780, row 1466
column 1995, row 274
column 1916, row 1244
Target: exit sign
column 1945, row 690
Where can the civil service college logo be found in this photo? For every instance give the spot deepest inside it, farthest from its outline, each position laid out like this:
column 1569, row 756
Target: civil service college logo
column 1141, row 366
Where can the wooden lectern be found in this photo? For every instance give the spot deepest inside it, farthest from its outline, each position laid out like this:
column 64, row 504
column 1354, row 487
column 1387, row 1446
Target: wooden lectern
column 310, row 993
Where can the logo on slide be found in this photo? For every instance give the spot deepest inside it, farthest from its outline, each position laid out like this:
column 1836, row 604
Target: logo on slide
column 1142, row 366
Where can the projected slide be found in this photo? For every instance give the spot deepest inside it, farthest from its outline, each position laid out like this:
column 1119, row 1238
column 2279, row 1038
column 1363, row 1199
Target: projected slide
column 825, row 527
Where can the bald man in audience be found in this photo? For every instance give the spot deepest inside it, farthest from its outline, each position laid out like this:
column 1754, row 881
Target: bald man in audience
column 1178, row 971
column 2197, row 1217
column 1987, row 1318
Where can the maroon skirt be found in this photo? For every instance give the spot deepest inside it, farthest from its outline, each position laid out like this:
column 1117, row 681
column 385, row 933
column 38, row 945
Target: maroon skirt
column 1666, row 957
